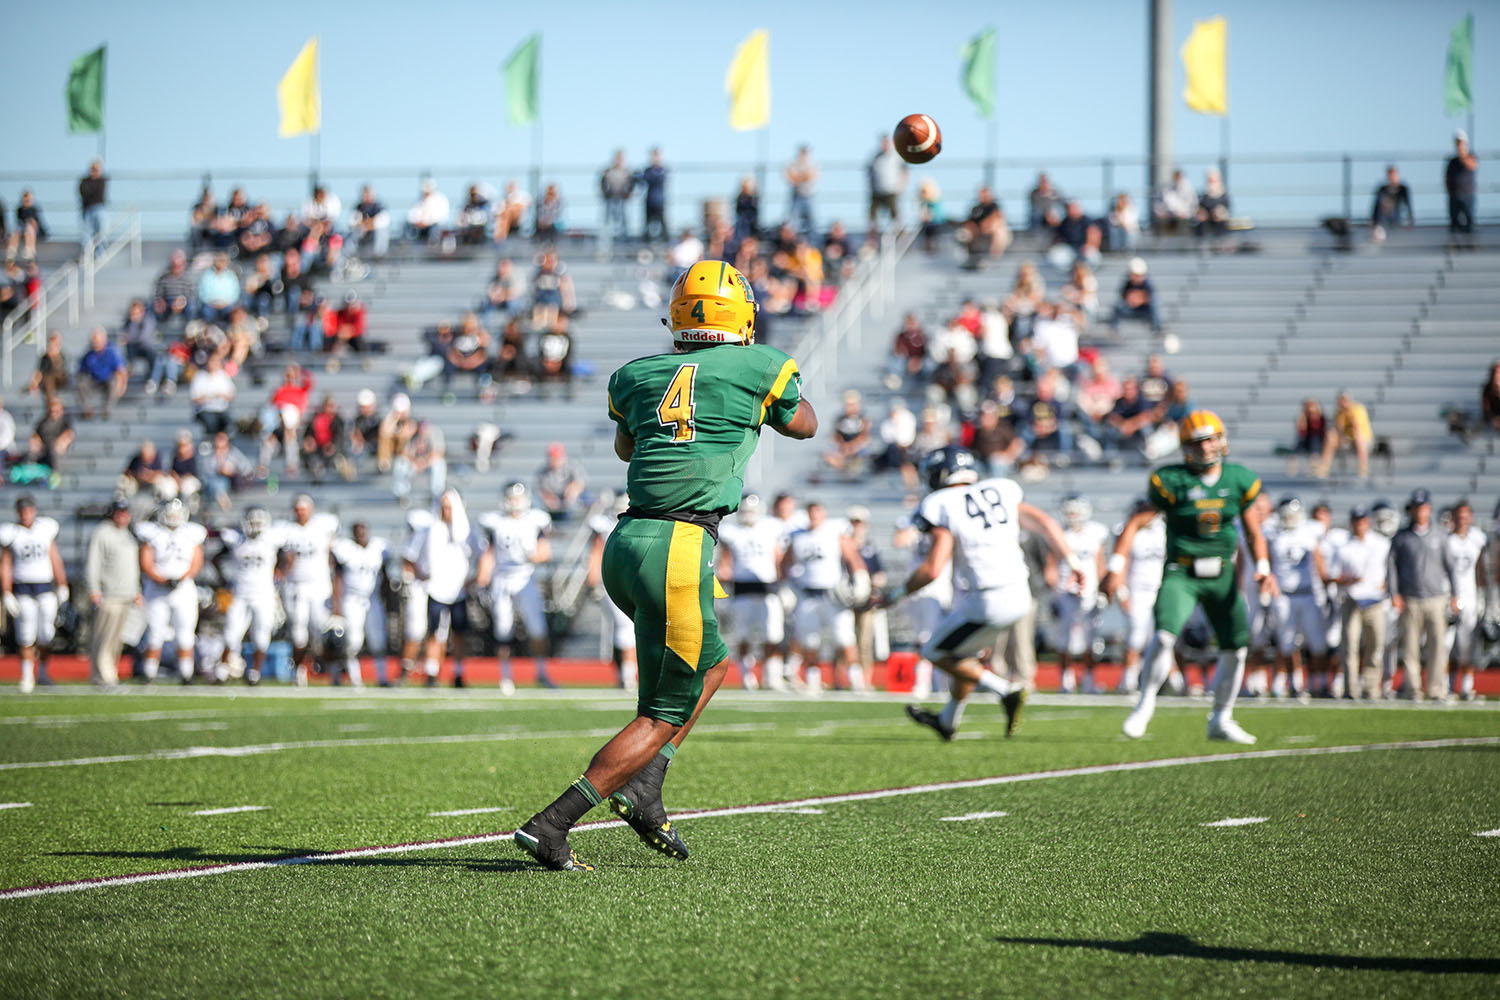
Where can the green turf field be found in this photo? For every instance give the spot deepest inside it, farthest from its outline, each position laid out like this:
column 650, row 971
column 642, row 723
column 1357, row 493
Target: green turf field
column 1365, row 876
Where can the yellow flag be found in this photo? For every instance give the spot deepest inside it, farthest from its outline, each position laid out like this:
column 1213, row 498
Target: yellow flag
column 748, row 83
column 297, row 93
column 1204, row 59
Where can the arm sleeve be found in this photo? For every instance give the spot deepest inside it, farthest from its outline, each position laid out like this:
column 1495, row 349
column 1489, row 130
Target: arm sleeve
column 91, row 567
column 783, row 397
column 615, row 397
column 1160, row 495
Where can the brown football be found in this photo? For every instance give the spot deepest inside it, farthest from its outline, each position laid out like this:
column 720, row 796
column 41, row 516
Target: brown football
column 917, row 138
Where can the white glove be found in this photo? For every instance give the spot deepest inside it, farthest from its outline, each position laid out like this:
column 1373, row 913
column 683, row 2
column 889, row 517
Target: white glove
column 12, row 606
column 62, row 594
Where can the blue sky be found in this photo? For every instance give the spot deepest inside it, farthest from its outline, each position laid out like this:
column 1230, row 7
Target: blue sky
column 192, row 85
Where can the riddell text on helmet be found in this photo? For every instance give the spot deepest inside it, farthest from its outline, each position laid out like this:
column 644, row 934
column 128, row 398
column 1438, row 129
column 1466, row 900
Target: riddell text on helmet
column 717, row 336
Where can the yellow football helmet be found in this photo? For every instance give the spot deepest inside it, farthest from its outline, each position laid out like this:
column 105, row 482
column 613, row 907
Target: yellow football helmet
column 712, row 304
column 1204, row 444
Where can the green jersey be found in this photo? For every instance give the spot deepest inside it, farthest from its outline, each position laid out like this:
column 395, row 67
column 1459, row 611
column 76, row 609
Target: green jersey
column 1200, row 516
column 696, row 419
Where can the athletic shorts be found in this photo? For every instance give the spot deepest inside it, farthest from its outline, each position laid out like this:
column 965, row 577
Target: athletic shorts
column 976, row 621
column 1142, row 618
column 757, row 618
column 1298, row 614
column 924, row 612
column 307, row 611
column 1461, row 635
column 172, row 611
column 443, row 619
column 255, row 615
column 819, row 620
column 414, row 612
column 1181, row 591
column 524, row 602
column 1076, row 622
column 660, row 573
column 37, row 617
column 366, row 621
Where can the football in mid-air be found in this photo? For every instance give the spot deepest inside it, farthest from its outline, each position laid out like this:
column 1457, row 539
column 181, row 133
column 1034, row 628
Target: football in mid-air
column 917, row 138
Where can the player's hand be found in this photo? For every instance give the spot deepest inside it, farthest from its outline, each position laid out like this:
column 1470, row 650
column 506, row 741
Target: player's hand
column 1076, row 581
column 12, row 606
column 888, row 596
column 1109, row 585
column 62, row 594
column 96, row 598
column 1268, row 587
column 1398, row 603
column 1453, row 606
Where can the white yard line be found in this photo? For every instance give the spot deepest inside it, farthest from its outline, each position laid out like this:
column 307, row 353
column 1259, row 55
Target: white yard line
column 230, row 809
column 202, row 727
column 1486, row 833
column 1236, row 821
column 471, row 812
column 23, row 892
column 970, row 816
column 15, row 805
column 509, row 735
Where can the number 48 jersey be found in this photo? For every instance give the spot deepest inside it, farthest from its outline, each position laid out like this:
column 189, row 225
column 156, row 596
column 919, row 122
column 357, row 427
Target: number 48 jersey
column 986, row 531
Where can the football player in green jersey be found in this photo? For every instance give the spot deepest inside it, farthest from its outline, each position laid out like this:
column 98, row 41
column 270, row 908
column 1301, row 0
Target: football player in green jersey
column 1200, row 499
column 687, row 423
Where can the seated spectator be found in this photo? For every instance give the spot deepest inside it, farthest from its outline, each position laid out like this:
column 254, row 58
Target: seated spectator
column 746, row 210
column 13, row 293
column 1212, row 217
column 212, row 392
column 908, row 354
column 281, row 420
column 311, row 320
column 426, row 219
column 1179, row 405
column 930, row 213
column 172, row 295
column 1053, row 344
column 52, row 437
column 325, row 442
column 426, row 453
column 201, row 218
column 262, row 287
column 1156, row 386
column 183, row 471
column 505, row 293
column 996, row 351
column 1047, row 425
column 1175, row 205
column 30, row 229
column 322, row 206
column 954, row 343
column 898, row 434
column 139, row 336
column 396, row 430
column 225, row 225
column 1124, row 224
column 243, row 335
column 1076, row 238
column 957, row 376
column 294, row 280
column 1351, row 429
column 468, row 353
column 146, row 473
column 686, row 252
column 1137, row 298
column 985, row 231
column 1312, row 432
column 101, row 374
column 1020, row 306
column 512, row 212
column 292, row 236
column 1130, row 420
column 348, row 325
column 932, row 433
column 1489, row 399
column 439, row 340
column 225, row 470
column 52, row 374
column 551, row 291
column 364, row 429
column 474, row 217
column 257, row 237
column 1045, row 204
column 838, row 252
column 1392, row 206
column 511, row 362
column 370, row 223
column 560, row 484
column 994, row 441
column 555, row 356
column 851, row 436
column 1082, row 291
column 1098, row 391
column 218, row 290
column 549, row 215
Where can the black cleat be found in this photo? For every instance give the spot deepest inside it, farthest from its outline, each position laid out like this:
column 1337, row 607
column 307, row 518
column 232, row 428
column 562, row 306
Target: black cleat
column 922, row 717
column 655, row 831
column 548, row 847
column 1012, row 704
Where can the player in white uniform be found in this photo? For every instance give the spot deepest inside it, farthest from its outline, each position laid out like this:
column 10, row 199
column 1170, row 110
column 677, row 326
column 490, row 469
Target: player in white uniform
column 413, row 600
column 1387, row 521
column 1464, row 558
column 750, row 548
column 1077, row 602
column 1144, row 564
column 33, row 582
column 926, row 607
column 976, row 524
column 171, row 556
column 1297, row 563
column 621, row 628
column 305, row 543
column 814, row 563
column 442, row 555
column 1330, row 597
column 517, row 545
column 358, row 567
column 251, row 551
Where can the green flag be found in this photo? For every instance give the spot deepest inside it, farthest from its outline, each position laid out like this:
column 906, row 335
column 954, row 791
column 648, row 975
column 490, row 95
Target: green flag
column 520, row 81
column 86, row 93
column 978, row 75
column 1458, row 79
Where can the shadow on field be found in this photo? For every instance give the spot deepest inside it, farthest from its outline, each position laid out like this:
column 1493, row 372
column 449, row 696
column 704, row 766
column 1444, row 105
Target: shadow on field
column 1182, row 946
column 198, row 855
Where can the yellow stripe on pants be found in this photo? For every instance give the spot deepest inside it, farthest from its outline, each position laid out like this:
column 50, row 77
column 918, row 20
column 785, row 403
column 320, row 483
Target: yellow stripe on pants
column 684, row 602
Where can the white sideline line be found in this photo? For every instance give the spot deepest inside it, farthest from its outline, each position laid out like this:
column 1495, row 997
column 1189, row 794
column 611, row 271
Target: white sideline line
column 202, row 727
column 230, row 809
column 1236, row 821
column 27, row 891
column 968, row 816
column 15, row 805
column 509, row 735
column 1486, row 833
column 471, row 812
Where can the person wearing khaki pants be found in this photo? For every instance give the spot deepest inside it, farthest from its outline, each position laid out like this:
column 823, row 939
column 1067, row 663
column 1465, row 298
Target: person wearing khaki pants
column 1424, row 616
column 112, row 573
column 1359, row 567
column 1418, row 583
column 1364, row 641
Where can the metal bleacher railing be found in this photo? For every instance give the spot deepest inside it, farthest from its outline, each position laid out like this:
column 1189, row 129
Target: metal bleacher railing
column 70, row 287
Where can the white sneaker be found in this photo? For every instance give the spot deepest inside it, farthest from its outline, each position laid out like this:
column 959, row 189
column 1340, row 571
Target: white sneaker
column 1229, row 731
column 1137, row 721
column 300, row 678
column 747, row 678
column 507, row 686
column 28, row 683
column 775, row 681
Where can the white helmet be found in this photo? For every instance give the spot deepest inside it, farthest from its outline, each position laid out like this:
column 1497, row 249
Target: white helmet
column 1076, row 510
column 1290, row 511
column 516, row 499
column 172, row 513
column 257, row 520
column 1387, row 520
column 750, row 508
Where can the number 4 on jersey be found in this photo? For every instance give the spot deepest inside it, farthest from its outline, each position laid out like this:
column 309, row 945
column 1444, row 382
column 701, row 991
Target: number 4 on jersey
column 676, row 407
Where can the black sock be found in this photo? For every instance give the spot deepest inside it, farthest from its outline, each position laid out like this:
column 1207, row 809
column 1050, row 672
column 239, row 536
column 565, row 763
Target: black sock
column 569, row 807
